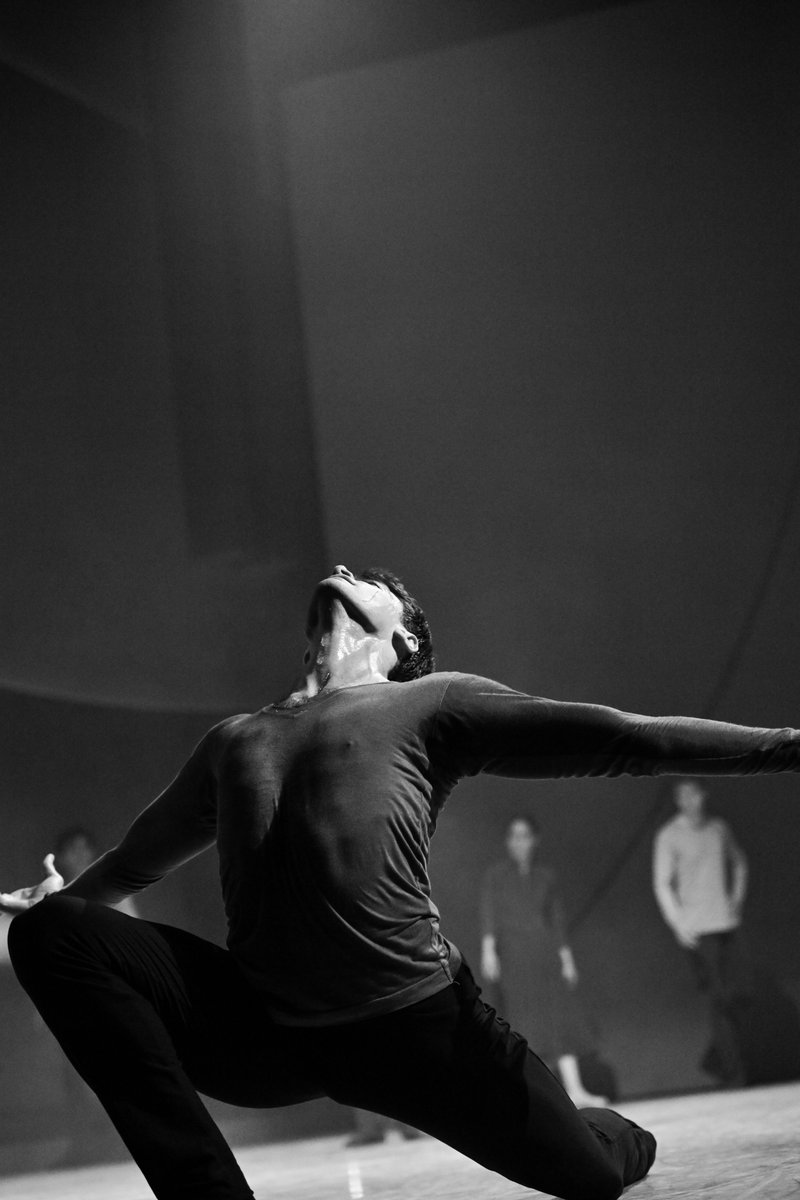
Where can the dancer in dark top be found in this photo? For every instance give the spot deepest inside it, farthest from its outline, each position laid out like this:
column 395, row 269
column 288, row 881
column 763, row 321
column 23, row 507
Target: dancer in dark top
column 337, row 979
column 524, row 949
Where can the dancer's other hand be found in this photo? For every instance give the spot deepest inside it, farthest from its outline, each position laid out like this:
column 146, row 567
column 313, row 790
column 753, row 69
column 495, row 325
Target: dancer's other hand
column 24, row 898
column 685, row 938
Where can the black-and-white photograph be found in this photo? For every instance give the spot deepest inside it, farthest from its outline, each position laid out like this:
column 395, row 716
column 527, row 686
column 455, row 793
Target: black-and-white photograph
column 400, row 663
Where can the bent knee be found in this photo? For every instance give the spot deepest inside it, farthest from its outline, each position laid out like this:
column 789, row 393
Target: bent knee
column 33, row 933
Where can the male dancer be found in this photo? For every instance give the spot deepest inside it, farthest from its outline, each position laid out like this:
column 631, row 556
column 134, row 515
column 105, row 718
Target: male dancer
column 700, row 882
column 337, row 980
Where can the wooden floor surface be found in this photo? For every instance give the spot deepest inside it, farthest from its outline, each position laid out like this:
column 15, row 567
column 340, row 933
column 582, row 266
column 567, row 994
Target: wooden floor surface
column 712, row 1146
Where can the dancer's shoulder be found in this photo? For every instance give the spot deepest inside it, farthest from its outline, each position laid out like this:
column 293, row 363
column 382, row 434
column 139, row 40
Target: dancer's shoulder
column 228, row 729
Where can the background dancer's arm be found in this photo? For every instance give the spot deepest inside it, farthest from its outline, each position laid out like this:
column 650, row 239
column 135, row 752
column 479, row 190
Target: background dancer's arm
column 665, row 881
column 737, row 861
column 558, row 924
column 490, row 959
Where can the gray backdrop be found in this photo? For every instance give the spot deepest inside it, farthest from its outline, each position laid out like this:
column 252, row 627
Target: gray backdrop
column 505, row 301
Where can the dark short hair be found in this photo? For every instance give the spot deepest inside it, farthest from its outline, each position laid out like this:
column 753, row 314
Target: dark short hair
column 422, row 661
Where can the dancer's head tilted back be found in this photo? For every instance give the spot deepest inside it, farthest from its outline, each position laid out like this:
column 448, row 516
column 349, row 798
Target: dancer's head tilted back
column 383, row 624
column 421, row 661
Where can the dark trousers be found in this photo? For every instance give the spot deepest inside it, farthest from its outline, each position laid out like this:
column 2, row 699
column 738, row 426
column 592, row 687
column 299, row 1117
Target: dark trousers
column 150, row 1016
column 722, row 972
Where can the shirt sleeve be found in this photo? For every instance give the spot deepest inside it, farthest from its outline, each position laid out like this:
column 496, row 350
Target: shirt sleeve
column 483, row 726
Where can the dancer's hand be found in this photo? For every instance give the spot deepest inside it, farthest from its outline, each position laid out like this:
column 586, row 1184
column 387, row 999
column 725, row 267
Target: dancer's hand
column 685, row 938
column 568, row 969
column 24, row 898
column 490, row 963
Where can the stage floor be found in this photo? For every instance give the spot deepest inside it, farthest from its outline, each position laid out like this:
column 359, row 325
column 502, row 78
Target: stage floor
column 712, row 1146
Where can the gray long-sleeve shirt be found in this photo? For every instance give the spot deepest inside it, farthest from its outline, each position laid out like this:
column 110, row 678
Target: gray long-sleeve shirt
column 323, row 812
column 699, row 875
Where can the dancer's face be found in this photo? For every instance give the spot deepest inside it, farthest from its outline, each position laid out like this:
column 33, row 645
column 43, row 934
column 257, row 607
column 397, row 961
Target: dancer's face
column 690, row 799
column 521, row 842
column 371, row 605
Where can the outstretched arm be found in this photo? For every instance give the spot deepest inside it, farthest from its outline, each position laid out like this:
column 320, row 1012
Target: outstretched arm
column 179, row 824
column 485, row 726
